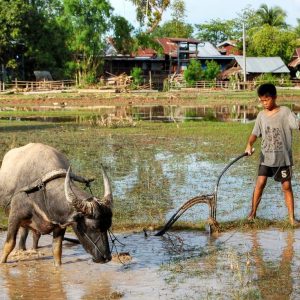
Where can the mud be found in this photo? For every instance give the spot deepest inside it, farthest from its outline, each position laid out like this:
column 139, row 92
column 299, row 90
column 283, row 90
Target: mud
column 254, row 265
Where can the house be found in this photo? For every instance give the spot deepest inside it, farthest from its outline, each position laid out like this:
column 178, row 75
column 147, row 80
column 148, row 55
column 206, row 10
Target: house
column 146, row 59
column 174, row 57
column 229, row 47
column 42, row 75
column 294, row 65
column 208, row 52
column 255, row 66
column 178, row 52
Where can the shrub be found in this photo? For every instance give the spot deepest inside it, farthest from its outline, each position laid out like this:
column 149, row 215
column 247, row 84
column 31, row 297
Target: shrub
column 283, row 80
column 137, row 78
column 193, row 73
column 212, row 70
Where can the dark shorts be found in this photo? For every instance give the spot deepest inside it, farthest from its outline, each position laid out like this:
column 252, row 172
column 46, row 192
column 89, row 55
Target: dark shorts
column 280, row 174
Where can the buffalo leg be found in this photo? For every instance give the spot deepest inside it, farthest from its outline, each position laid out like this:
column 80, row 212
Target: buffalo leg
column 35, row 240
column 58, row 236
column 13, row 227
column 23, row 237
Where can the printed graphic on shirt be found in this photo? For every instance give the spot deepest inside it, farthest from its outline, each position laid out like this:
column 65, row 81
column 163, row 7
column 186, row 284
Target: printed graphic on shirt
column 272, row 141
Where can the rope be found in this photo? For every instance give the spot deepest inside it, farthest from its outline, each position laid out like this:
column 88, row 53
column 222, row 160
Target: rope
column 113, row 238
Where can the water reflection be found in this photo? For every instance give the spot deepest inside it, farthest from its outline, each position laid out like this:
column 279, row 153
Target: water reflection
column 21, row 281
column 274, row 279
column 177, row 266
column 153, row 176
column 168, row 113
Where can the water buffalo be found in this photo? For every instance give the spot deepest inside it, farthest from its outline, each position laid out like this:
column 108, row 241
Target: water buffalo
column 38, row 191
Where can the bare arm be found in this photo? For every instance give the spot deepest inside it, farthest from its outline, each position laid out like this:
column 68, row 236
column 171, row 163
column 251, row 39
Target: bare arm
column 249, row 148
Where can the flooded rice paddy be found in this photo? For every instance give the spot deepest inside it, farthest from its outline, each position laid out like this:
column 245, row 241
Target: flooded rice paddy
column 261, row 264
column 152, row 174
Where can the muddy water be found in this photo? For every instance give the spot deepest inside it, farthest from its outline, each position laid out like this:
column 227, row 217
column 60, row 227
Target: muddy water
column 254, row 265
column 174, row 176
column 150, row 173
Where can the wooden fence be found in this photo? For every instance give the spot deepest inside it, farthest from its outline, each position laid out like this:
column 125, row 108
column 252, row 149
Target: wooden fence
column 216, row 84
column 179, row 84
column 28, row 86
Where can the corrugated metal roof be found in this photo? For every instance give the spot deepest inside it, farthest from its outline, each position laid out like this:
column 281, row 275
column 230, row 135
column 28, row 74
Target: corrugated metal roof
column 207, row 49
column 145, row 53
column 187, row 40
column 169, row 47
column 263, row 64
column 226, row 43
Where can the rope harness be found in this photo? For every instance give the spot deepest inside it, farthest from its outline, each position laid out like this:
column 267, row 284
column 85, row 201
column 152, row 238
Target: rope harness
column 40, row 185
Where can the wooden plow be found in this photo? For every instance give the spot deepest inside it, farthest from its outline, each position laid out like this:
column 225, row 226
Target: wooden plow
column 209, row 199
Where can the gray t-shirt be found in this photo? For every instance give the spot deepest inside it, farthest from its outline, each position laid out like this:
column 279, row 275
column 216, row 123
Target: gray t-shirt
column 276, row 133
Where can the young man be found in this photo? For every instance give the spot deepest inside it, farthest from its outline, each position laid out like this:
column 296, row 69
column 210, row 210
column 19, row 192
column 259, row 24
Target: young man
column 274, row 124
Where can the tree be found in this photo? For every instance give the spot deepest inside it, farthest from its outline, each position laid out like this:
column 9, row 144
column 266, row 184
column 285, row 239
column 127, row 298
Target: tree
column 87, row 22
column 273, row 16
column 46, row 47
column 178, row 10
column 249, row 17
column 216, row 31
column 149, row 12
column 272, row 41
column 297, row 28
column 193, row 73
column 176, row 27
column 11, row 23
column 31, row 38
column 144, row 41
column 122, row 29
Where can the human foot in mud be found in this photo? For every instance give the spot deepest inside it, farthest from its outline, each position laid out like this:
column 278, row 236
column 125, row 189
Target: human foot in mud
column 295, row 223
column 251, row 217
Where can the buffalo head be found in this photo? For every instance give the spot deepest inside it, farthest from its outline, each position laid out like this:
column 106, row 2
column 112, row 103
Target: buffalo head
column 93, row 219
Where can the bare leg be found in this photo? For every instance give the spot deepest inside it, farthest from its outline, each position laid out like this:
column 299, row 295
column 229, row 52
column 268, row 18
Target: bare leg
column 289, row 200
column 257, row 193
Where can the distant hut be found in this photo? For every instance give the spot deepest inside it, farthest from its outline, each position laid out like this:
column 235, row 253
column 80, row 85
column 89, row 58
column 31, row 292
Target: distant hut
column 255, row 66
column 229, row 47
column 42, row 76
column 294, row 65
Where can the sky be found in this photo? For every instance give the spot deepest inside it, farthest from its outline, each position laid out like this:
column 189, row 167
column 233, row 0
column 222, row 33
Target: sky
column 201, row 11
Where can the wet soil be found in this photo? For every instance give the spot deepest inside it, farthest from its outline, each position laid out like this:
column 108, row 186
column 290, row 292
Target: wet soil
column 95, row 98
column 183, row 265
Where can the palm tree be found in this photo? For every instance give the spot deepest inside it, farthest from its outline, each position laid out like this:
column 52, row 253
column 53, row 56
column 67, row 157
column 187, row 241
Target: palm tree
column 273, row 16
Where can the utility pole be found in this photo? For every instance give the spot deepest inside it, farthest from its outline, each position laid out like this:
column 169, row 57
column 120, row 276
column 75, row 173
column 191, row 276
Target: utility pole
column 244, row 53
column 147, row 4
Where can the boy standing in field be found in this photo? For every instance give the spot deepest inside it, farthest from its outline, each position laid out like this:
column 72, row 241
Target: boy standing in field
column 274, row 125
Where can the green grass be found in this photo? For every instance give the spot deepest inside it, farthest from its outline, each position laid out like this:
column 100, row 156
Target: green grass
column 131, row 150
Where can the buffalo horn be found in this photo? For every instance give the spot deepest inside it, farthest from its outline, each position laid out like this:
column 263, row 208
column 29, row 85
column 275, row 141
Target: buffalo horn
column 84, row 206
column 108, row 198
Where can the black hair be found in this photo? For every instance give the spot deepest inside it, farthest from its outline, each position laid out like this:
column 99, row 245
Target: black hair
column 267, row 89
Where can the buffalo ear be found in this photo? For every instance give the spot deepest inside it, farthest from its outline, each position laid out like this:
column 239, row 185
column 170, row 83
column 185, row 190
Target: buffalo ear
column 73, row 219
column 77, row 216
